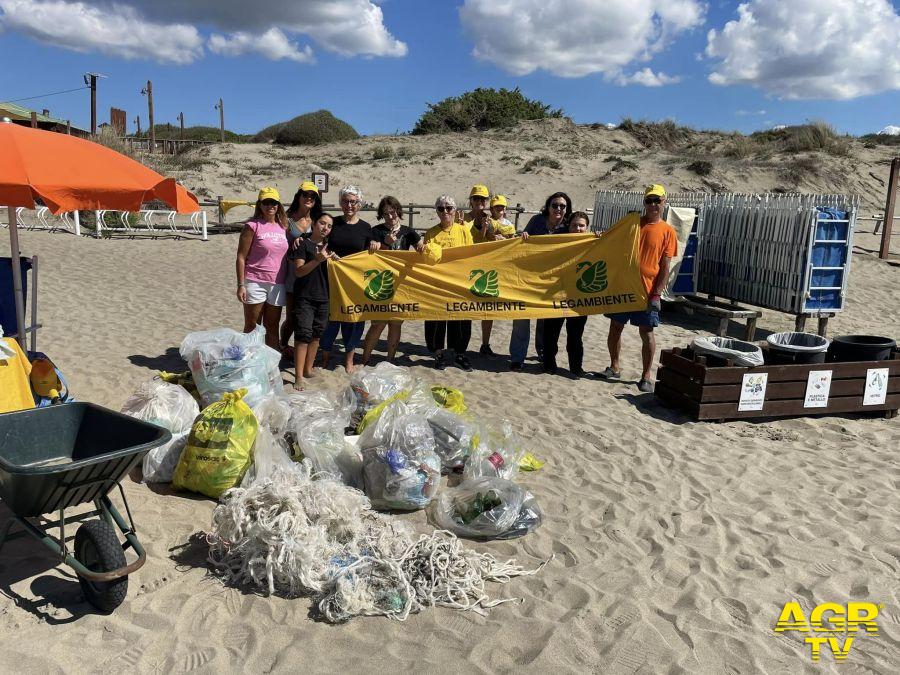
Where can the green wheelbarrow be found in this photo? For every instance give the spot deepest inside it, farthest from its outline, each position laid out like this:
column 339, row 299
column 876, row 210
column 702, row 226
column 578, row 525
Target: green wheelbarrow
column 61, row 456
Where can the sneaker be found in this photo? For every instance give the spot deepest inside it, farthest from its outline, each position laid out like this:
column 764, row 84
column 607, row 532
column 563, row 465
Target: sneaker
column 439, row 361
column 581, row 372
column 463, row 362
column 645, row 386
column 515, row 367
column 486, row 351
column 610, row 375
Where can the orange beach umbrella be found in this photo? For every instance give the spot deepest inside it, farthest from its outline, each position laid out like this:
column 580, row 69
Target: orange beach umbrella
column 69, row 174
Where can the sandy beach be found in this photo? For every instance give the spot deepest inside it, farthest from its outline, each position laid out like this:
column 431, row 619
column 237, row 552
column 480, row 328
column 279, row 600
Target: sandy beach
column 675, row 544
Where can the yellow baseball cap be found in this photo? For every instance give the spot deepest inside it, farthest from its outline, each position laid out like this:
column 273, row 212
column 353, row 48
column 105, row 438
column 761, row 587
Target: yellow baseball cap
column 498, row 200
column 308, row 186
column 269, row 193
column 480, row 191
column 655, row 189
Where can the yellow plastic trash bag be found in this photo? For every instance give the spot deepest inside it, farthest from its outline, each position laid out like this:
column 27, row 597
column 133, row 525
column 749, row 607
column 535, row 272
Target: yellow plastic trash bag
column 219, row 448
column 530, row 463
column 449, row 398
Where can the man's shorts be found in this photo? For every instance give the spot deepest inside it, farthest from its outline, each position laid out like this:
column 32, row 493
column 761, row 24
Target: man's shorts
column 648, row 318
column 258, row 291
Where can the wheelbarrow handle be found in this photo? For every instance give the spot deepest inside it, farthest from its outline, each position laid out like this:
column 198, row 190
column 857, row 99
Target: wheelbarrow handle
column 112, row 575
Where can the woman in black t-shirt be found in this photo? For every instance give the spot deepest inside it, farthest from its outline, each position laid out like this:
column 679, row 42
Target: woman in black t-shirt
column 393, row 235
column 350, row 234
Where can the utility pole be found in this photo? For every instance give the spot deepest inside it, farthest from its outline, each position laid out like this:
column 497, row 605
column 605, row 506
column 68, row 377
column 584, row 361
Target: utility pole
column 90, row 79
column 148, row 92
column 181, row 122
column 137, row 121
column 221, row 108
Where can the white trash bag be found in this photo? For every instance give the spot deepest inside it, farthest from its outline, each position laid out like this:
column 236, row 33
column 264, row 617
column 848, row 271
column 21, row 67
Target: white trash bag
column 223, row 361
column 169, row 406
column 742, row 353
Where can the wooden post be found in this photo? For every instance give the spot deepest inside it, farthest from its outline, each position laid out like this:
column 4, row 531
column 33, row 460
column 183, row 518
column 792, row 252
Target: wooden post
column 68, row 128
column 221, row 107
column 220, row 214
column 885, row 249
column 149, row 92
column 93, row 85
column 34, row 120
column 411, row 215
column 137, row 121
column 181, row 122
column 518, row 211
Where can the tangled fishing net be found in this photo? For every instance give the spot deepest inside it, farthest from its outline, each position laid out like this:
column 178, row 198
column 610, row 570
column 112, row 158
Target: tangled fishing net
column 294, row 533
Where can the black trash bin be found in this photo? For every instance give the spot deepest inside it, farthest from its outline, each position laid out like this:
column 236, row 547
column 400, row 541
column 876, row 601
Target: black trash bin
column 861, row 348
column 791, row 347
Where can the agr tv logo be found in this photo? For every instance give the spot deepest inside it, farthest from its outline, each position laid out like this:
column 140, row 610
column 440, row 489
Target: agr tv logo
column 834, row 620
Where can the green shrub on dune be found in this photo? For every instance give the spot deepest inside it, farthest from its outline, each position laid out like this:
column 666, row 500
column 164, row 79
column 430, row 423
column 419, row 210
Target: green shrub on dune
column 309, row 129
column 481, row 109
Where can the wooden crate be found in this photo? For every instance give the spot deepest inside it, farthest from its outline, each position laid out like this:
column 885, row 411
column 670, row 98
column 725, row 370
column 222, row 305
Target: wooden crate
column 685, row 381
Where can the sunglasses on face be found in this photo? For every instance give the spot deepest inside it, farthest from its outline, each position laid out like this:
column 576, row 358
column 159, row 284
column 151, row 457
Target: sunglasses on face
column 558, row 206
column 309, row 195
column 269, row 203
column 347, row 202
column 652, row 200
column 446, row 209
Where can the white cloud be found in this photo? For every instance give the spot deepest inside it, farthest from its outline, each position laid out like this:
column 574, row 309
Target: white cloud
column 346, row 27
column 273, row 44
column 117, row 30
column 803, row 49
column 573, row 38
column 890, row 130
column 647, row 78
column 167, row 30
column 745, row 113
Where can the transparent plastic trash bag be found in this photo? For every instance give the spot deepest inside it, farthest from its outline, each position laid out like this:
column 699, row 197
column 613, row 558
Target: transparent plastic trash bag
column 223, row 361
column 393, row 479
column 172, row 407
column 498, row 453
column 486, row 508
column 164, row 404
column 454, row 437
column 321, row 441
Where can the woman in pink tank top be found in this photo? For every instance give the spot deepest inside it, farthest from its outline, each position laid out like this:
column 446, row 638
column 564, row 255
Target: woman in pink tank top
column 261, row 259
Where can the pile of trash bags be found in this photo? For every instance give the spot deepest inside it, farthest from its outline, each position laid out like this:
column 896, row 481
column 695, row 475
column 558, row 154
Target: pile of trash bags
column 387, row 434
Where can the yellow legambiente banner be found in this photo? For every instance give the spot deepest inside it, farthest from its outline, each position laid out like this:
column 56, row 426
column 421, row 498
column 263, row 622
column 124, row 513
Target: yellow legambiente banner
column 545, row 276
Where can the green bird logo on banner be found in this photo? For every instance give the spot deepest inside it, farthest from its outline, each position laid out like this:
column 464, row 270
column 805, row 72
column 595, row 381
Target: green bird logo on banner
column 487, row 284
column 380, row 285
column 592, row 276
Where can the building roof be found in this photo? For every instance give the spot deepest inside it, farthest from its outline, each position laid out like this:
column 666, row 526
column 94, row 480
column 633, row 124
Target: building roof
column 18, row 112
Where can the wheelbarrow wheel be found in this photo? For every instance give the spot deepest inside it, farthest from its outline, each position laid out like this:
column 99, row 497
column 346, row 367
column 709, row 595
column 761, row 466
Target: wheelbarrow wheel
column 97, row 547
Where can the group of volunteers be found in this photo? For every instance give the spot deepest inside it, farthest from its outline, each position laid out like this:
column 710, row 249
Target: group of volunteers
column 283, row 255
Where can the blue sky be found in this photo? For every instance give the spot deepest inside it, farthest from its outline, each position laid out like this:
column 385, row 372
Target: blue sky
column 377, row 64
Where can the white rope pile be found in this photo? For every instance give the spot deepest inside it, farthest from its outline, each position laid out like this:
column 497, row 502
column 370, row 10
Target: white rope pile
column 298, row 534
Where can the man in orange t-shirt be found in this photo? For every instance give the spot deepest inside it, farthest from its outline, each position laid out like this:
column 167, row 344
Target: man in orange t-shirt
column 658, row 245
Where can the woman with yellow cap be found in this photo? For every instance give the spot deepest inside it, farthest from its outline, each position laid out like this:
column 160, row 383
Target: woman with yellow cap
column 305, row 209
column 500, row 228
column 261, row 269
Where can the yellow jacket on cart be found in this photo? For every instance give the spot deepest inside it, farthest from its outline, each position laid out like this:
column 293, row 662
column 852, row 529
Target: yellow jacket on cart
column 15, row 390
